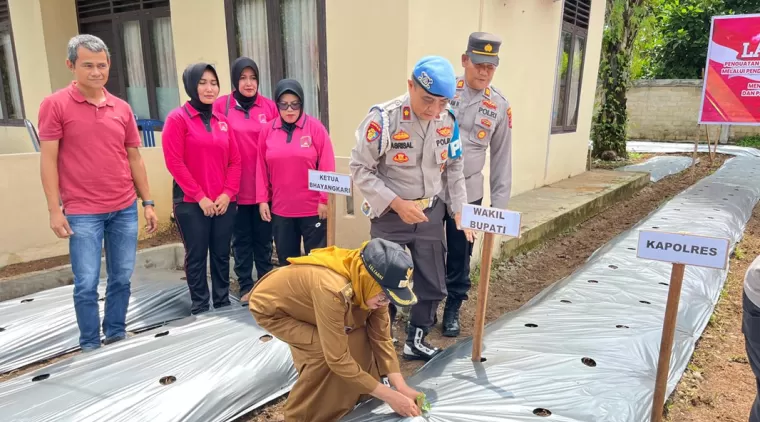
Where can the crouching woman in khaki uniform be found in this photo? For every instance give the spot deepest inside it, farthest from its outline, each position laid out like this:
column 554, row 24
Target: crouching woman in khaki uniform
column 331, row 307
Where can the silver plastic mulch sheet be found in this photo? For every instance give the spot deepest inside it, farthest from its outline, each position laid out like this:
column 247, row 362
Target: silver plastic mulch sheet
column 43, row 325
column 661, row 167
column 586, row 348
column 205, row 368
column 668, row 147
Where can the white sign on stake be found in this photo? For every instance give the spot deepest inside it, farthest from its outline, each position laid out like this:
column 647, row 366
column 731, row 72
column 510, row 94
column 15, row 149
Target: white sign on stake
column 491, row 220
column 689, row 249
column 323, row 181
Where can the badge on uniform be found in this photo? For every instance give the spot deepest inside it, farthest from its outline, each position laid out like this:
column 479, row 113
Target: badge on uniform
column 481, row 134
column 509, row 116
column 366, row 208
column 444, row 131
column 455, row 146
column 305, row 141
column 223, row 126
column 460, row 84
column 262, row 118
column 490, row 104
column 401, row 135
column 400, row 158
column 487, row 93
column 373, row 131
column 406, row 113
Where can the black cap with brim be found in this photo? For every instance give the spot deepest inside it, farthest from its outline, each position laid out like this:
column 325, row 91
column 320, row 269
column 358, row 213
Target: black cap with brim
column 392, row 267
column 483, row 47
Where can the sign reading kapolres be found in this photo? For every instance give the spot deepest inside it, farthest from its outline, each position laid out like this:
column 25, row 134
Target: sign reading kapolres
column 731, row 93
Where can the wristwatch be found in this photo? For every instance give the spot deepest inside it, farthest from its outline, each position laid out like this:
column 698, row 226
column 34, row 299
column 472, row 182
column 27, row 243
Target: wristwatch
column 148, row 203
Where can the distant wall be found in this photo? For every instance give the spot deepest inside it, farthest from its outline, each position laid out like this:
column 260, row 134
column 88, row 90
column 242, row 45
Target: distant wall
column 668, row 109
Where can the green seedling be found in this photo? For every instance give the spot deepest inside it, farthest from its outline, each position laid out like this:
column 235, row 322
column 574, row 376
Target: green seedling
column 423, row 403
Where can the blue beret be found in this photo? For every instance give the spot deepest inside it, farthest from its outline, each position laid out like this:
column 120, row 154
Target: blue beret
column 436, row 75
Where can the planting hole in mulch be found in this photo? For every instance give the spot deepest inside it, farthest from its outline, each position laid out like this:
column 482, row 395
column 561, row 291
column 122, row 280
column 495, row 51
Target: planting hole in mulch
column 167, row 380
column 102, row 299
column 40, row 377
column 26, row 300
column 483, row 360
column 614, row 267
column 622, row 326
column 645, row 302
column 589, row 362
column 161, row 334
column 542, row 412
column 593, row 281
column 265, row 338
column 664, row 283
column 565, row 301
column 655, row 227
column 531, row 325
column 2, row 329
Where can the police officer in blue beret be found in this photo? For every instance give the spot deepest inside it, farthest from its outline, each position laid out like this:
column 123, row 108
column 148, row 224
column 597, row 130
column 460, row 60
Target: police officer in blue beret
column 407, row 163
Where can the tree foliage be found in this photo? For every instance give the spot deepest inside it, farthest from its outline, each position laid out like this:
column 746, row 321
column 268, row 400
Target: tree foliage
column 675, row 37
column 622, row 22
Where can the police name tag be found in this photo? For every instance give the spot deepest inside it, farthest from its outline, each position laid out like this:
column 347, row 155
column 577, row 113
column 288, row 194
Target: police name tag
column 677, row 248
column 323, row 181
column 491, row 220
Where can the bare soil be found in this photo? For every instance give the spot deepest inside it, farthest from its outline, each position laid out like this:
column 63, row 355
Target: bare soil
column 718, row 384
column 520, row 278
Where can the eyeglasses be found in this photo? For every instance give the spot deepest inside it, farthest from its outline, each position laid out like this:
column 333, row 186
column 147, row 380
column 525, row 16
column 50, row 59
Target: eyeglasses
column 294, row 105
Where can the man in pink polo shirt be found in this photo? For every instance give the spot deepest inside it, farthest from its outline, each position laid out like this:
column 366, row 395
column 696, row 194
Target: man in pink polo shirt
column 90, row 160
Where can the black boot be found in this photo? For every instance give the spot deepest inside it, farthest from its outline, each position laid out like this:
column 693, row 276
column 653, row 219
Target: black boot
column 451, row 317
column 416, row 348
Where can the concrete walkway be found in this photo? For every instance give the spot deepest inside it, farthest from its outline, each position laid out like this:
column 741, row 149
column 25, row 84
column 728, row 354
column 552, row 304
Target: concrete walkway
column 549, row 210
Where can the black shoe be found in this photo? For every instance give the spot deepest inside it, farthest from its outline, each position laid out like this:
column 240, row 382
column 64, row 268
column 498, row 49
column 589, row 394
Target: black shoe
column 451, row 317
column 416, row 348
column 113, row 340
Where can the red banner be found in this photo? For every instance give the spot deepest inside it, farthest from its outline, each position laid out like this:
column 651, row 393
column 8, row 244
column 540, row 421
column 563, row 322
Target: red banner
column 731, row 93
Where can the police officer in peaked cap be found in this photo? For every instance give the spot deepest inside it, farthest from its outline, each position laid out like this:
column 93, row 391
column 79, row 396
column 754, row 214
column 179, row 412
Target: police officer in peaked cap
column 485, row 124
column 407, row 159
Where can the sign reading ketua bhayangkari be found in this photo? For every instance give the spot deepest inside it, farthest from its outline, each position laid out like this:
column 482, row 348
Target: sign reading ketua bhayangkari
column 678, row 248
column 491, row 220
column 323, row 181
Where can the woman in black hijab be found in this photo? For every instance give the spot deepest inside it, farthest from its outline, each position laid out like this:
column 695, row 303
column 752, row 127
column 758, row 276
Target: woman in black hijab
column 201, row 153
column 289, row 147
column 247, row 112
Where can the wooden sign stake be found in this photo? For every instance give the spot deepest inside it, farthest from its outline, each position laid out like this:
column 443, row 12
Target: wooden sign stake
column 330, row 219
column 480, row 314
column 666, row 344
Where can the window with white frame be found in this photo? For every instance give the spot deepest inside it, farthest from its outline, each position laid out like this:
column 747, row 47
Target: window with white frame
column 572, row 52
column 11, row 107
column 139, row 36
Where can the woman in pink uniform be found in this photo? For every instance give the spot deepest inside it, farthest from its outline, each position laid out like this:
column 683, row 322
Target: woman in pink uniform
column 202, row 155
column 289, row 147
column 247, row 112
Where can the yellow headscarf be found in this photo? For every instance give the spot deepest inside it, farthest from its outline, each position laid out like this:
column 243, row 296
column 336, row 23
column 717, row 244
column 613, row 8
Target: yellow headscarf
column 348, row 263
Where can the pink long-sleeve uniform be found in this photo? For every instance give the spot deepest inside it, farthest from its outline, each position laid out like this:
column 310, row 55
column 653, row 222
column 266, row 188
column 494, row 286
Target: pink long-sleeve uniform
column 247, row 125
column 203, row 159
column 283, row 170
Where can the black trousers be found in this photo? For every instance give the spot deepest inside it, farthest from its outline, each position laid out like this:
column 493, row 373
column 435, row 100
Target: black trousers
column 751, row 330
column 458, row 254
column 288, row 232
column 425, row 242
column 204, row 236
column 251, row 243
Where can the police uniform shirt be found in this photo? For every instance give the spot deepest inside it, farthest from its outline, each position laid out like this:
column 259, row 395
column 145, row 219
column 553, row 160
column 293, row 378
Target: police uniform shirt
column 485, row 120
column 396, row 155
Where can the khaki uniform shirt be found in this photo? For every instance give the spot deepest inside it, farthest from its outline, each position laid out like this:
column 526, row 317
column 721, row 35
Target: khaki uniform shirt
column 485, row 120
column 395, row 155
column 313, row 303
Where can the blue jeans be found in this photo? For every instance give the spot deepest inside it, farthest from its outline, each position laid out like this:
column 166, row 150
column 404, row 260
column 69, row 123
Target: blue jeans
column 119, row 230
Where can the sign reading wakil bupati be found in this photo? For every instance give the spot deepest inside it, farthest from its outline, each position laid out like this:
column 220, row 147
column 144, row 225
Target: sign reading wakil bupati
column 686, row 249
column 330, row 182
column 491, row 220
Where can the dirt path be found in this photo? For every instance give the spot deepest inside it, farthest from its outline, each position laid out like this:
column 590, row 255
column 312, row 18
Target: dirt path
column 718, row 384
column 519, row 279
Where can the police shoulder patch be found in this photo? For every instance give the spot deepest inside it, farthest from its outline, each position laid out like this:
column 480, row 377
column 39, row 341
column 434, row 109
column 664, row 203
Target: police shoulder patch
column 373, row 131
